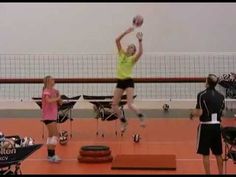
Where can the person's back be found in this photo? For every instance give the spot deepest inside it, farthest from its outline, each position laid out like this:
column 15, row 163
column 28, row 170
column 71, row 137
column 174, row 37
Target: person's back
column 212, row 102
column 209, row 108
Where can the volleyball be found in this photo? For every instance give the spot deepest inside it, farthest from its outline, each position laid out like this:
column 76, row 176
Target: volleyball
column 166, row 107
column 137, row 21
column 63, row 139
column 136, row 138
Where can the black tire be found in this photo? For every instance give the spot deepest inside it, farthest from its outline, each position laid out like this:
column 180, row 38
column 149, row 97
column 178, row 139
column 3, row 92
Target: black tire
column 95, row 148
column 95, row 153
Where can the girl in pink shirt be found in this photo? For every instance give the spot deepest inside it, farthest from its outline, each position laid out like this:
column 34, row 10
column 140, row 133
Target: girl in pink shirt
column 50, row 100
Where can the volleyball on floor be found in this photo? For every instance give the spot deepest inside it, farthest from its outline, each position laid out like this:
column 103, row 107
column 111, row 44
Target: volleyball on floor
column 137, row 21
column 136, row 138
column 165, row 107
column 63, row 138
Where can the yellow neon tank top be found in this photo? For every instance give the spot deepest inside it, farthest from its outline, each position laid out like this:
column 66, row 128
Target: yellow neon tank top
column 124, row 66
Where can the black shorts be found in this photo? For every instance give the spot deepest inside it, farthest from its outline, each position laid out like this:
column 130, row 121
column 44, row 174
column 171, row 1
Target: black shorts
column 209, row 137
column 124, row 84
column 46, row 122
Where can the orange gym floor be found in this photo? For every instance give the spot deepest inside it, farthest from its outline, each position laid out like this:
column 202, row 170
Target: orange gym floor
column 161, row 136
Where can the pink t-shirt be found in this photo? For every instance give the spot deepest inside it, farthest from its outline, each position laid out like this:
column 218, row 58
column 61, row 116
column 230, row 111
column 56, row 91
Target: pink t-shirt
column 49, row 110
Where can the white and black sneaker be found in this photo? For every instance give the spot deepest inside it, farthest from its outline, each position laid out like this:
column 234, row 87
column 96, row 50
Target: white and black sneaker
column 54, row 159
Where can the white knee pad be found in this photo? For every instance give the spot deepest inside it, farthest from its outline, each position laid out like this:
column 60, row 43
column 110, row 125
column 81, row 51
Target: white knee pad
column 48, row 140
column 52, row 140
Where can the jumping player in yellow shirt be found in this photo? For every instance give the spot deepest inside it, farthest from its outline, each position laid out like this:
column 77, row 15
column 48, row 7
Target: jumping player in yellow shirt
column 126, row 61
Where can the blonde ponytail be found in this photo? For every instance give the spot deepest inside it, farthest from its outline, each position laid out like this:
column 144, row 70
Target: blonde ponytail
column 45, row 81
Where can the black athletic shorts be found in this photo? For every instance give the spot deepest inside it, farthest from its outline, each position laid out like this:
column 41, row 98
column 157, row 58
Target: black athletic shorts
column 209, row 137
column 46, row 122
column 124, row 84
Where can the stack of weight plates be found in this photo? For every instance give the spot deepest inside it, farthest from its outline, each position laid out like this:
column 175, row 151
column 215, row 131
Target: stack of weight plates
column 95, row 154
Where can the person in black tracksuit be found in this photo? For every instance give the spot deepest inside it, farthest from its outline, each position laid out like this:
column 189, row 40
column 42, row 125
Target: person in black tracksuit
column 209, row 108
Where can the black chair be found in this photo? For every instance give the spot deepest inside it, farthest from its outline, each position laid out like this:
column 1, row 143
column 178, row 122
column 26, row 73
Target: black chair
column 102, row 108
column 229, row 137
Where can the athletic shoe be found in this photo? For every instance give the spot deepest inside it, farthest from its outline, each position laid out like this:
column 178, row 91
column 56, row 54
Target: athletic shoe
column 54, row 159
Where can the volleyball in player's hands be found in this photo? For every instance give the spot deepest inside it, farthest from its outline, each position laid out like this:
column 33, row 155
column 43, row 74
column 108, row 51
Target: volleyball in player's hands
column 137, row 21
column 139, row 35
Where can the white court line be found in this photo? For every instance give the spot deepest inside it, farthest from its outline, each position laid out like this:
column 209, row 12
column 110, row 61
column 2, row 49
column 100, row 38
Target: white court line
column 142, row 142
column 70, row 160
column 106, row 100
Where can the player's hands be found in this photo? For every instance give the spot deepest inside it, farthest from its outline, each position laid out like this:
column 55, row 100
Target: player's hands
column 139, row 35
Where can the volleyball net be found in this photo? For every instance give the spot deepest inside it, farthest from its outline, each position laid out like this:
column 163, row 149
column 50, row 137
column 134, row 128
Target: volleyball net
column 157, row 76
